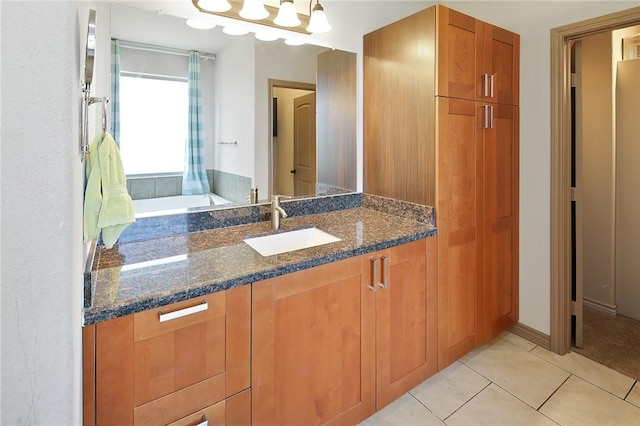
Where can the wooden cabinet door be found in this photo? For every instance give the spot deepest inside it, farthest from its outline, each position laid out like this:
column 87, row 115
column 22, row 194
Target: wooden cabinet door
column 406, row 316
column 460, row 55
column 501, row 171
column 502, row 63
column 313, row 358
column 150, row 371
column 459, row 220
column 399, row 109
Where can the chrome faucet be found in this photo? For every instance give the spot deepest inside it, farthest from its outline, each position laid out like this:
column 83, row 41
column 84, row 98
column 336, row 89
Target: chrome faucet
column 277, row 211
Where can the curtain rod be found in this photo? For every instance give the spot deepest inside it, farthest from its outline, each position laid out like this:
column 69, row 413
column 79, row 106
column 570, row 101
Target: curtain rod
column 162, row 49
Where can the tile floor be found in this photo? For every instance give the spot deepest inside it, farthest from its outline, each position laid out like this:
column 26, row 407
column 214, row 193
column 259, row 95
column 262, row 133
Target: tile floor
column 511, row 381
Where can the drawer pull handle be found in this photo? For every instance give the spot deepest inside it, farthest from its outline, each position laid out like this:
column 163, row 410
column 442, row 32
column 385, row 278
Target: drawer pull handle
column 375, row 265
column 385, row 272
column 184, row 312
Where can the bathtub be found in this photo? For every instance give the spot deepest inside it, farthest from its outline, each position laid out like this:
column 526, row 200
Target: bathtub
column 176, row 203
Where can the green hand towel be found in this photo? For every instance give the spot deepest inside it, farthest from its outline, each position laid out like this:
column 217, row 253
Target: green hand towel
column 108, row 206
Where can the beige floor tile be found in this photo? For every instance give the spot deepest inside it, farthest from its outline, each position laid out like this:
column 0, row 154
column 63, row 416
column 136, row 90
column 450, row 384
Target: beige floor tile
column 589, row 370
column 519, row 372
column 580, row 403
column 448, row 390
column 496, row 407
column 634, row 395
column 405, row 411
column 518, row 341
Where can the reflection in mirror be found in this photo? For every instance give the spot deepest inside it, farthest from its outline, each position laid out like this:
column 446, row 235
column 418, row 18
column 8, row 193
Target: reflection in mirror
column 247, row 121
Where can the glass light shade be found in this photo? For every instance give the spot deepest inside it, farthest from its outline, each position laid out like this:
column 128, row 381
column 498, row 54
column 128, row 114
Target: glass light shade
column 318, row 22
column 287, row 16
column 254, row 10
column 294, row 42
column 235, row 30
column 215, row 5
column 267, row 35
column 201, row 24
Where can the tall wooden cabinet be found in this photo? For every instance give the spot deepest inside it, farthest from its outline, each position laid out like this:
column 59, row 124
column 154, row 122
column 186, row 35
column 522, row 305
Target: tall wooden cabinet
column 441, row 129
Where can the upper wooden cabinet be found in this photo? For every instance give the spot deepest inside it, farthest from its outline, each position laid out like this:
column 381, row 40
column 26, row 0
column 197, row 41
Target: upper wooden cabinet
column 182, row 361
column 475, row 60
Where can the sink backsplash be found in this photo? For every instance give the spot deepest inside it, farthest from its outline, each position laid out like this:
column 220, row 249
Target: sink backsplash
column 194, row 221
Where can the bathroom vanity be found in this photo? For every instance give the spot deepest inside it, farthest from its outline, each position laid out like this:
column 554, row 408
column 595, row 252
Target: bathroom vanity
column 200, row 326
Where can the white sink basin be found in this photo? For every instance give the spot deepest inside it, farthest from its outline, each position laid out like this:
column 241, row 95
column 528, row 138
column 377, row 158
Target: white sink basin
column 290, row 241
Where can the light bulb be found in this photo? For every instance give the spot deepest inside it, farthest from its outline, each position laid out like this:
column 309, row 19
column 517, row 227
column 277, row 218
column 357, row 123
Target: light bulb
column 254, row 10
column 318, row 22
column 201, row 24
column 287, row 16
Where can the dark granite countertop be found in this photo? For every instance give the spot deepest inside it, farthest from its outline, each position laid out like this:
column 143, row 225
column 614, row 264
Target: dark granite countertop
column 140, row 275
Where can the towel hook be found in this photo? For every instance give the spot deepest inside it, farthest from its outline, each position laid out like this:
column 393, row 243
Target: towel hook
column 90, row 100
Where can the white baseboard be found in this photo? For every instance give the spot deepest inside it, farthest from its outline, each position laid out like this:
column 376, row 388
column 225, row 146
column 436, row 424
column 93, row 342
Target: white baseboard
column 602, row 307
column 531, row 334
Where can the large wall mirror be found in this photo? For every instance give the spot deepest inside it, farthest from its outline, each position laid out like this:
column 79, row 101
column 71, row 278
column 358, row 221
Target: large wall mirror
column 277, row 117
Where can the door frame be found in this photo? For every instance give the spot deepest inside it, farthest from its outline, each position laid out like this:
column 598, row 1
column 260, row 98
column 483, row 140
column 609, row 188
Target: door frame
column 561, row 37
column 286, row 84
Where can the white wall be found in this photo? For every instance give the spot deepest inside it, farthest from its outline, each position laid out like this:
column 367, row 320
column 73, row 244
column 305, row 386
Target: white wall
column 598, row 168
column 42, row 250
column 234, row 97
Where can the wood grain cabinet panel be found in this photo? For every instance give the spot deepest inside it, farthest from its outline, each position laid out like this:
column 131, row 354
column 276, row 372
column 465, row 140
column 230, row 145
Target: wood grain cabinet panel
column 312, row 342
column 459, row 212
column 501, row 213
column 151, row 372
column 406, row 316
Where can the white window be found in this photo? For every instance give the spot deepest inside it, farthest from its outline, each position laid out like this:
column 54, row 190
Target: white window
column 153, row 124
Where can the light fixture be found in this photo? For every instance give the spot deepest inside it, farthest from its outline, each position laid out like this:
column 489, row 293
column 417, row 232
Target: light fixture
column 287, row 16
column 215, row 5
column 235, row 30
column 318, row 22
column 267, row 35
column 294, row 42
column 201, row 24
column 253, row 10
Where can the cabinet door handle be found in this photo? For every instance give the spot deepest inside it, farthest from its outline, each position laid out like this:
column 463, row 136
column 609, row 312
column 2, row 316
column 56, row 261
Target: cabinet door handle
column 485, row 116
column 492, row 81
column 491, row 126
column 183, row 312
column 488, row 82
column 375, row 264
column 385, row 272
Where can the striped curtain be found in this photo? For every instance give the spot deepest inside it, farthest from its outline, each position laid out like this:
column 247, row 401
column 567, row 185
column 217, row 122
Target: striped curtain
column 115, row 91
column 194, row 179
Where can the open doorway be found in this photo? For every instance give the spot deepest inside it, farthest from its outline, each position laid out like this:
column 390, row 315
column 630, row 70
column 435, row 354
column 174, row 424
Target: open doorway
column 562, row 275
column 605, row 172
column 293, row 138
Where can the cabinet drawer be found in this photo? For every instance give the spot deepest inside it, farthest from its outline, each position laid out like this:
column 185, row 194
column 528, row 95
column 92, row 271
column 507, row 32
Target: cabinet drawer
column 148, row 324
column 178, row 404
column 178, row 353
column 234, row 411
